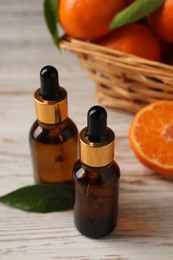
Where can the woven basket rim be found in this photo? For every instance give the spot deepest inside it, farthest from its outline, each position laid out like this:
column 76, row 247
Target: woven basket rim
column 123, row 80
column 86, row 47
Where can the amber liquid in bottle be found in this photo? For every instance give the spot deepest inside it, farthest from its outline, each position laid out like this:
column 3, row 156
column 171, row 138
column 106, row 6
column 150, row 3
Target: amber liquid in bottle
column 96, row 177
column 54, row 151
column 96, row 199
column 53, row 136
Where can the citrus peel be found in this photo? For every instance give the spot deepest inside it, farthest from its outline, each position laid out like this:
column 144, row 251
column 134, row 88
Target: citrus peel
column 151, row 136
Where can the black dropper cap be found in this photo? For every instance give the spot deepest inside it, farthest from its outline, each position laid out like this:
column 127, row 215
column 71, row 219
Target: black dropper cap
column 49, row 89
column 97, row 124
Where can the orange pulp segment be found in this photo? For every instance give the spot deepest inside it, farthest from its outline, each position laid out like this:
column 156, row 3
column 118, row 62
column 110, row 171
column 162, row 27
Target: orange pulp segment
column 151, row 136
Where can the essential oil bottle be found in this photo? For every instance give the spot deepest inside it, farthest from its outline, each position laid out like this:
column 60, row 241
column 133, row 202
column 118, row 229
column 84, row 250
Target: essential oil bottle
column 53, row 136
column 96, row 177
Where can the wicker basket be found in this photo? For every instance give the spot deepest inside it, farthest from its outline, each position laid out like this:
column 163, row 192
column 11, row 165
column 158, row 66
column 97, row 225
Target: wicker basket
column 123, row 81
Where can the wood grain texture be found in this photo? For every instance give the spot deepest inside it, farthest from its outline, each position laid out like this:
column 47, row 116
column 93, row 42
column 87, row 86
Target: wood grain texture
column 145, row 227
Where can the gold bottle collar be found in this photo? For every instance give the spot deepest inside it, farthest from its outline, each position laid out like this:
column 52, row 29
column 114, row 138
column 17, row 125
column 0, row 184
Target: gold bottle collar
column 51, row 112
column 97, row 154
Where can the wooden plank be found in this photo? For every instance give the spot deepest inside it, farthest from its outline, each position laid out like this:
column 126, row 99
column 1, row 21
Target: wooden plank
column 145, row 227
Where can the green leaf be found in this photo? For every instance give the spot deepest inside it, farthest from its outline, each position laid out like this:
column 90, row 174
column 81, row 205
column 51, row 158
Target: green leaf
column 41, row 198
column 134, row 12
column 51, row 17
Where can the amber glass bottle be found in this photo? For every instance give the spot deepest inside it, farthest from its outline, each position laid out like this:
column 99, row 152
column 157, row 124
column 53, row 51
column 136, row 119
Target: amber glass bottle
column 96, row 177
column 53, row 136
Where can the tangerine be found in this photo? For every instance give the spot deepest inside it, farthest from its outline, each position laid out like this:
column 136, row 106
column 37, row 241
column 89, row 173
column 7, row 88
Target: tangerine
column 161, row 21
column 135, row 39
column 151, row 136
column 88, row 19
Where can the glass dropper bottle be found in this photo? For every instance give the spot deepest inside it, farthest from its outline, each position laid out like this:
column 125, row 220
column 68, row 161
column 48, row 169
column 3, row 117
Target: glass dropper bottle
column 53, row 136
column 96, row 177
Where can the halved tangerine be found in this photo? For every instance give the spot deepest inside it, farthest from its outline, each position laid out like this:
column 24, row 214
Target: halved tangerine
column 151, row 136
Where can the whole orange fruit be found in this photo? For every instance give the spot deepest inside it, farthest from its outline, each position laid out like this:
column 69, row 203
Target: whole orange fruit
column 135, row 39
column 151, row 136
column 161, row 21
column 88, row 19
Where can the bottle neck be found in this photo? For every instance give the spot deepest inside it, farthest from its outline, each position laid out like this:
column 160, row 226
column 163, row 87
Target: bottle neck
column 96, row 169
column 51, row 126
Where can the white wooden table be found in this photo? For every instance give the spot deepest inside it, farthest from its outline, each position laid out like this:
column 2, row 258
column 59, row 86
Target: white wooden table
column 145, row 227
